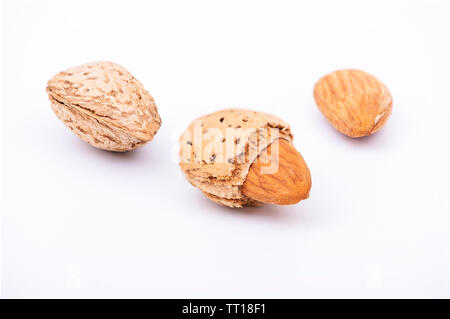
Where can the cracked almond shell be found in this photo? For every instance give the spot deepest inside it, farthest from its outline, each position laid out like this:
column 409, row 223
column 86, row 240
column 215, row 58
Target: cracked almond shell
column 104, row 105
column 218, row 162
column 354, row 102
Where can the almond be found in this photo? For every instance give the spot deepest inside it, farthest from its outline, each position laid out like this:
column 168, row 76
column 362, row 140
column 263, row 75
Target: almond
column 240, row 158
column 289, row 184
column 354, row 102
column 104, row 105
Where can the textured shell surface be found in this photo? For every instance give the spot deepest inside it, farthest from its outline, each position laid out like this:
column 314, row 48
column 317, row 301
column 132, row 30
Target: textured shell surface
column 207, row 161
column 354, row 102
column 104, row 105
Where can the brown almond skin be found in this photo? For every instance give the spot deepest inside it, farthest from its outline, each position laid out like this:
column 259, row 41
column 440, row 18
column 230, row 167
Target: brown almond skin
column 290, row 184
column 353, row 101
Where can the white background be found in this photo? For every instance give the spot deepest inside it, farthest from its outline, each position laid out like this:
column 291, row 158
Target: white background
column 80, row 222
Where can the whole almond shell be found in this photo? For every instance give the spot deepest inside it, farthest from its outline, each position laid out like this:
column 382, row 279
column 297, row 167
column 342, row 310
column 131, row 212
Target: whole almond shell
column 104, row 105
column 354, row 102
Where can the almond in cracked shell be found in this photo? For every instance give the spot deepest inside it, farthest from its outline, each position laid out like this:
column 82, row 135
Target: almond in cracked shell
column 240, row 158
column 105, row 106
